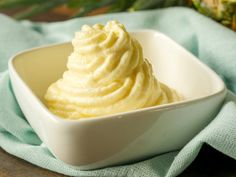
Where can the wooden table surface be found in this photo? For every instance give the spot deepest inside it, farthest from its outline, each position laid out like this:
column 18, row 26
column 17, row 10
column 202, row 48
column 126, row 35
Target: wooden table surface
column 209, row 163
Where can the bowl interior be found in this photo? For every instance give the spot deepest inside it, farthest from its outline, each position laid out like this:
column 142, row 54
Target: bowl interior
column 172, row 65
column 40, row 67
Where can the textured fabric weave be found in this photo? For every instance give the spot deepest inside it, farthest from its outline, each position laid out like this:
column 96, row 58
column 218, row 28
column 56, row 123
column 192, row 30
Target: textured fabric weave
column 214, row 44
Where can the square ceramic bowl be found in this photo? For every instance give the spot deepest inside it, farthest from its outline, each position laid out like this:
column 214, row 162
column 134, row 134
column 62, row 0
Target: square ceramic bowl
column 125, row 137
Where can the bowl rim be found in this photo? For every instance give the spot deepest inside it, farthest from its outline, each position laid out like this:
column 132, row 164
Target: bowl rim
column 167, row 106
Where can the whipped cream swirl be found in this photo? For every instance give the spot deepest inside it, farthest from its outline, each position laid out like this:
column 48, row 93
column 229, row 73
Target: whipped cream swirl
column 106, row 74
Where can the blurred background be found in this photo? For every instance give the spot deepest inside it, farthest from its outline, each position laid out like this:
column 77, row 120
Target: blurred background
column 222, row 11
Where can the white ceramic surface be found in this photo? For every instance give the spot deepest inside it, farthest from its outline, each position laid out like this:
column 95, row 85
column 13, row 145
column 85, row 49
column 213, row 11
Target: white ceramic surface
column 125, row 137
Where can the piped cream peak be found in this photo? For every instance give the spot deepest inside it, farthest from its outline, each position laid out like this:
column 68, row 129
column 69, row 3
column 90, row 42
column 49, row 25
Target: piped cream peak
column 106, row 74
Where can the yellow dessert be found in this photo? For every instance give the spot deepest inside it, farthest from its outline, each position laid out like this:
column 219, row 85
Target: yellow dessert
column 106, row 74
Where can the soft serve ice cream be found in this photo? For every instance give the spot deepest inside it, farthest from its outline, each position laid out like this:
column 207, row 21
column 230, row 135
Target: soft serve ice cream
column 106, row 74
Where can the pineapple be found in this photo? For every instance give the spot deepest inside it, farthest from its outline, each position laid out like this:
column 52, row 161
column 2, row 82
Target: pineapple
column 223, row 11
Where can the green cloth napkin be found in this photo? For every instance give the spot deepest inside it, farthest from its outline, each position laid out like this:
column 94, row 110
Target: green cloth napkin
column 212, row 43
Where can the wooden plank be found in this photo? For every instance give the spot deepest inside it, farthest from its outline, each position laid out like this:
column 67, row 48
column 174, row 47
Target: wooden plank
column 209, row 163
column 11, row 166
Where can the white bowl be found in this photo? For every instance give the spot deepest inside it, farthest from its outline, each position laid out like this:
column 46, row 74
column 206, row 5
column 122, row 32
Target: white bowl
column 125, row 137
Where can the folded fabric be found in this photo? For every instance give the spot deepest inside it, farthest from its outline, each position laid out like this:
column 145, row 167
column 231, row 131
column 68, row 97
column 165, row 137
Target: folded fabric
column 212, row 43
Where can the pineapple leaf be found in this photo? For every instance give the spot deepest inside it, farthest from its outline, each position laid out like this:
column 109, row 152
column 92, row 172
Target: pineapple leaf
column 39, row 8
column 121, row 5
column 4, row 4
column 89, row 7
